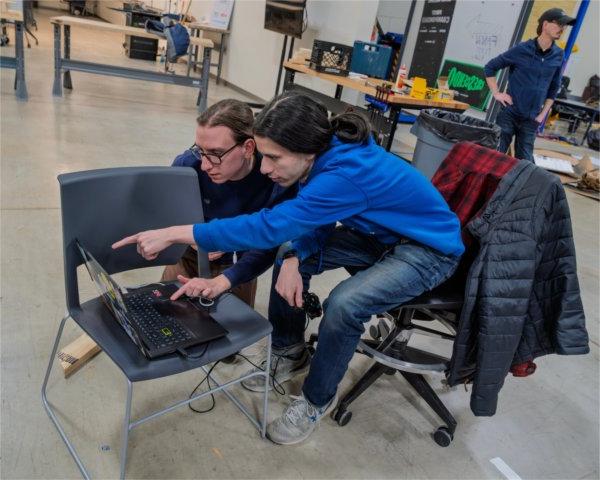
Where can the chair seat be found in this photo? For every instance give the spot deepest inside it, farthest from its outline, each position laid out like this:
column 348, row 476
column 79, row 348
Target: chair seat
column 447, row 296
column 245, row 326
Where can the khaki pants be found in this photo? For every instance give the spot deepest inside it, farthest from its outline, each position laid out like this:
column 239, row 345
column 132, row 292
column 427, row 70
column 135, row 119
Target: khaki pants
column 188, row 266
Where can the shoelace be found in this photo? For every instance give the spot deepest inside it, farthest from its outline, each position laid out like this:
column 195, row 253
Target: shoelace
column 277, row 387
column 298, row 409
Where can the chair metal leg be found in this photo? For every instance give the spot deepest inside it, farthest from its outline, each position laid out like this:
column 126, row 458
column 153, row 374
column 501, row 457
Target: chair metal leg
column 263, row 429
column 48, row 408
column 423, row 388
column 128, row 425
column 126, row 428
column 359, row 387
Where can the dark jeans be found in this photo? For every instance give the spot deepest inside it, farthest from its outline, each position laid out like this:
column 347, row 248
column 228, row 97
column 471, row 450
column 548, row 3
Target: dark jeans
column 384, row 277
column 523, row 129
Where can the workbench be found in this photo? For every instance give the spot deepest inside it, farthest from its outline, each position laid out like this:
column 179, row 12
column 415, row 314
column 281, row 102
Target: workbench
column 195, row 29
column 63, row 64
column 18, row 61
column 368, row 86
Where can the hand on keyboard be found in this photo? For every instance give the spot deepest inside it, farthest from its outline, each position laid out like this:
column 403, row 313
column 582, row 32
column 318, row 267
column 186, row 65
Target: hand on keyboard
column 208, row 288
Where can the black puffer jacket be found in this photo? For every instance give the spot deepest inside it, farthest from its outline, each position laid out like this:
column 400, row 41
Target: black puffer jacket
column 522, row 294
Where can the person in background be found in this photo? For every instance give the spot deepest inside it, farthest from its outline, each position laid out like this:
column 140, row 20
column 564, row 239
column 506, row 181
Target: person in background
column 396, row 234
column 533, row 82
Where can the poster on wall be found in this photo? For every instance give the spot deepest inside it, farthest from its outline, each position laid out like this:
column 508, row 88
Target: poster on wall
column 483, row 30
column 468, row 81
column 431, row 39
column 220, row 14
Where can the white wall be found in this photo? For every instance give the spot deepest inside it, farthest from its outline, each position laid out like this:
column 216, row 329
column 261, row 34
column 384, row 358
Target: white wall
column 55, row 4
column 393, row 14
column 253, row 53
column 585, row 63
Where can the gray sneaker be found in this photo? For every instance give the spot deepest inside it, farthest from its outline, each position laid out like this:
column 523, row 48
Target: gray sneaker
column 298, row 421
column 285, row 365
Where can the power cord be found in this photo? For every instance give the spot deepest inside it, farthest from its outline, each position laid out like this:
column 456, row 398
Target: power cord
column 277, row 387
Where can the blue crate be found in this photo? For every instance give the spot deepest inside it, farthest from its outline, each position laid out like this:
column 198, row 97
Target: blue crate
column 371, row 59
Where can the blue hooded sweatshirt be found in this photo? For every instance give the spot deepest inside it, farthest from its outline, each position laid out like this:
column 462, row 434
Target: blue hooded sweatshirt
column 359, row 185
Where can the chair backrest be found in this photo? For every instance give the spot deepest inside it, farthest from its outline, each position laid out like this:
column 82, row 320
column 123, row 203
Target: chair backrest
column 100, row 207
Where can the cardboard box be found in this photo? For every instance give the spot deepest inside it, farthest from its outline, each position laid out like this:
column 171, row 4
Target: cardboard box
column 580, row 167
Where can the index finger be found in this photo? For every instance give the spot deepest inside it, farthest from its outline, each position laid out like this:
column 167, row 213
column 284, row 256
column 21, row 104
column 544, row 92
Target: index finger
column 178, row 293
column 125, row 241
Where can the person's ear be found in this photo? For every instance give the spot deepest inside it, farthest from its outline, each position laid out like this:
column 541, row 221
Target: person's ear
column 249, row 147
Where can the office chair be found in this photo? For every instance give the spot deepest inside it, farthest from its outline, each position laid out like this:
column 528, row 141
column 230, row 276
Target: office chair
column 102, row 206
column 392, row 354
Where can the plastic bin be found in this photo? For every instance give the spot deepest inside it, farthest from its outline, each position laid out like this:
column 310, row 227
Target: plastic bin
column 437, row 131
column 332, row 58
column 371, row 59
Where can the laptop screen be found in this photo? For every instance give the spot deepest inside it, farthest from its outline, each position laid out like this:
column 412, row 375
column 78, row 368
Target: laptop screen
column 111, row 294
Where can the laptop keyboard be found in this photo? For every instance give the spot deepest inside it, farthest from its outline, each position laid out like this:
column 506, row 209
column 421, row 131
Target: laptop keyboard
column 161, row 330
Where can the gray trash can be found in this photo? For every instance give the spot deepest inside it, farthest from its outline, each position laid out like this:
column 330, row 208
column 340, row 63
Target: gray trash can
column 437, row 131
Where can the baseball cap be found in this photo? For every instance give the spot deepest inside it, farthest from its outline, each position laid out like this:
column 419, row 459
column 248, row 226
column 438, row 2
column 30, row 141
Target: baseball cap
column 557, row 15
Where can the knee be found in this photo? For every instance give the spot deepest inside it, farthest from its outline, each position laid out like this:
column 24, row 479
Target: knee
column 341, row 311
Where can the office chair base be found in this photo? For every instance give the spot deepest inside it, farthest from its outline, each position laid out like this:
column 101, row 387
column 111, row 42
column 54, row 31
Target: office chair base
column 128, row 425
column 393, row 355
column 443, row 437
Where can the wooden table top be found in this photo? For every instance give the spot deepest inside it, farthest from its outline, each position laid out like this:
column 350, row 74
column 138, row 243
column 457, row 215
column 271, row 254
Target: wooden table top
column 368, row 86
column 13, row 15
column 206, row 27
column 138, row 32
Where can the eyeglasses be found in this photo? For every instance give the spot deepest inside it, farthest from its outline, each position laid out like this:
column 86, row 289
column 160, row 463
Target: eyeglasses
column 213, row 158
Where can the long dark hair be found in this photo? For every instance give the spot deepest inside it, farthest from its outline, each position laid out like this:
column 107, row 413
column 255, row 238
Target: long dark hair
column 230, row 113
column 300, row 124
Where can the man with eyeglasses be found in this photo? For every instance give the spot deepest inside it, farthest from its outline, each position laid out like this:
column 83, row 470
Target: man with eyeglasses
column 533, row 82
column 228, row 165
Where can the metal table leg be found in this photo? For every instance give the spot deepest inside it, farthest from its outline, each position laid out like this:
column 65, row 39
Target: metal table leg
column 338, row 92
column 20, row 60
column 67, row 54
column 190, row 54
column 221, row 50
column 587, row 130
column 57, row 88
column 202, row 96
column 395, row 113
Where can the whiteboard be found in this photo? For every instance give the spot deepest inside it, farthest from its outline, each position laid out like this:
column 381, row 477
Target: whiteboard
column 481, row 29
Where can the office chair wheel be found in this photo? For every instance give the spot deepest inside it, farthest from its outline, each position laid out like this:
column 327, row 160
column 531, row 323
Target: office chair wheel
column 342, row 417
column 374, row 332
column 443, row 437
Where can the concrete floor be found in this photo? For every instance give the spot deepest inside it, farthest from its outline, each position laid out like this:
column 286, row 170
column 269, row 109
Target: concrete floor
column 546, row 425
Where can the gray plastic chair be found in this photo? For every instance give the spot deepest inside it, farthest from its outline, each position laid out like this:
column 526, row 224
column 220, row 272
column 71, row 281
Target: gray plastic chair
column 102, row 206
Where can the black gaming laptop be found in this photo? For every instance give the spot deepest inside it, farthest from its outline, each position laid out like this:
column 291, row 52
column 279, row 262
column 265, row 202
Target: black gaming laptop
column 156, row 324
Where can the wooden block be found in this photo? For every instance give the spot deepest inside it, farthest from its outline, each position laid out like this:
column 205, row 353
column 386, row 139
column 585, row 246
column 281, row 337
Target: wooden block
column 76, row 354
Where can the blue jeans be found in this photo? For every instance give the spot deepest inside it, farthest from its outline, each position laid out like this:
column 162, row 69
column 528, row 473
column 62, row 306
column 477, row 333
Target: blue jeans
column 523, row 129
column 383, row 277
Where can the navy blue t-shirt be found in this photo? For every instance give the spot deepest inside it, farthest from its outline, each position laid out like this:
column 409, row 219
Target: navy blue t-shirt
column 250, row 194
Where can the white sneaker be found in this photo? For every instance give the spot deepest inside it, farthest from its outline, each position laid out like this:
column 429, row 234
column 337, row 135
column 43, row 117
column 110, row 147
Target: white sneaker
column 286, row 364
column 298, row 421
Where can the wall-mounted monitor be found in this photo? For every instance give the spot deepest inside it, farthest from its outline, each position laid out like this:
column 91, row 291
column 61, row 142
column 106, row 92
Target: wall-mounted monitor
column 286, row 17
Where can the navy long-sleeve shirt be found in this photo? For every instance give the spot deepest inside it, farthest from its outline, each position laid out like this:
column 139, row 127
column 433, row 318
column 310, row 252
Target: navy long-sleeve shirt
column 230, row 199
column 534, row 75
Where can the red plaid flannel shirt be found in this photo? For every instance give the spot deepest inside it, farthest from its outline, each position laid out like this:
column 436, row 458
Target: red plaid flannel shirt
column 467, row 179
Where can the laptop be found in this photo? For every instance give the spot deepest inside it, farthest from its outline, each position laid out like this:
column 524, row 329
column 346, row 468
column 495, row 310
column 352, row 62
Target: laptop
column 157, row 325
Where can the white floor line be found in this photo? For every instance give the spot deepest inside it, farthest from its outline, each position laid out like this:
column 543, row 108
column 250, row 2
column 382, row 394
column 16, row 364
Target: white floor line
column 504, row 469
